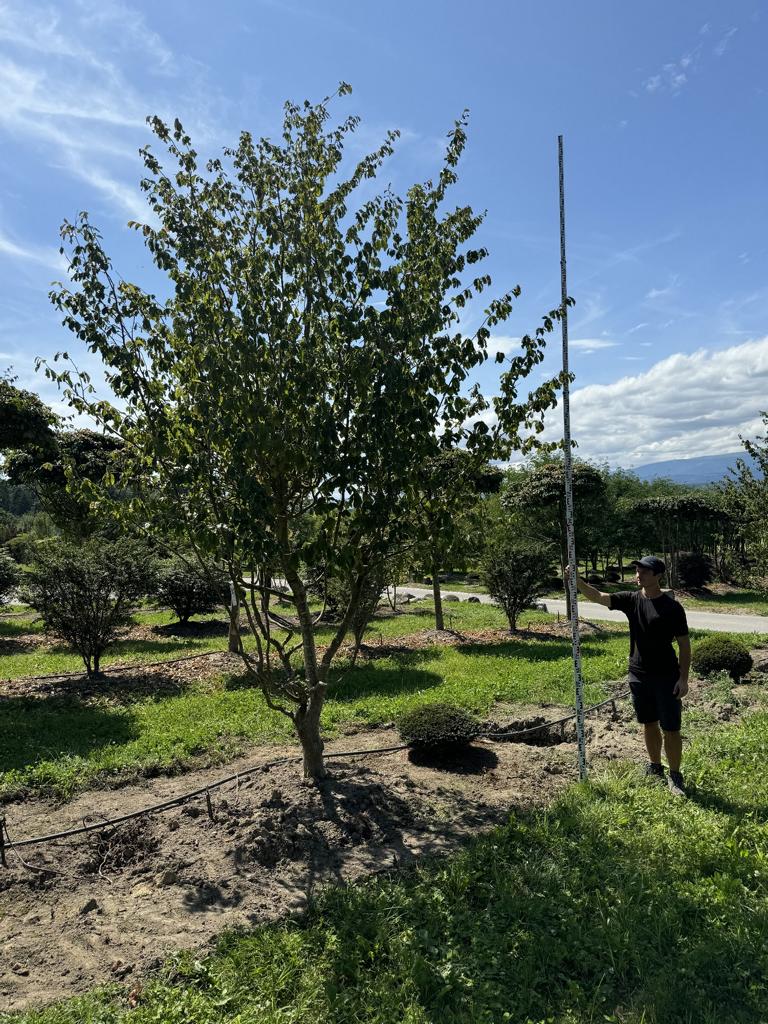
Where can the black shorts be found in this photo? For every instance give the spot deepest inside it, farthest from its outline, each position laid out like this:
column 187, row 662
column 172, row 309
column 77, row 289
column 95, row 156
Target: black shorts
column 655, row 701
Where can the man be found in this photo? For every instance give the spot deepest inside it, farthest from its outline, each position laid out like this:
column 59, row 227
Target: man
column 657, row 680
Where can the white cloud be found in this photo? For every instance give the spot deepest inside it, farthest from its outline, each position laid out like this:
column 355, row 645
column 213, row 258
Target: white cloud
column 503, row 343
column 589, row 345
column 722, row 46
column 684, row 405
column 637, row 327
column 48, row 257
column 78, row 89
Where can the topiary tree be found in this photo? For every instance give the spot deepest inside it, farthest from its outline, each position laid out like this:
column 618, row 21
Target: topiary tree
column 720, row 653
column 694, row 569
column 305, row 357
column 516, row 576
column 189, row 589
column 9, row 575
column 84, row 592
column 438, row 728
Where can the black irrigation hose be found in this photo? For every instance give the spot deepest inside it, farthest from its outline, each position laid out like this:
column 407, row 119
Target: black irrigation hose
column 166, row 804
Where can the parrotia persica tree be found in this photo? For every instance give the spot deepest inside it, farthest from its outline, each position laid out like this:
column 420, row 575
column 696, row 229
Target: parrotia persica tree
column 303, row 365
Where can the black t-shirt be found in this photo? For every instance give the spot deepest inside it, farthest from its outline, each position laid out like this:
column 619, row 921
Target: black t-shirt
column 653, row 624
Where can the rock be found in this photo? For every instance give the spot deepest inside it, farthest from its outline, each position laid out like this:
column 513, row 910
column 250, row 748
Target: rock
column 20, row 969
column 473, row 599
column 120, row 969
column 167, row 877
column 759, row 660
column 173, row 824
column 452, row 597
column 89, row 907
column 33, row 917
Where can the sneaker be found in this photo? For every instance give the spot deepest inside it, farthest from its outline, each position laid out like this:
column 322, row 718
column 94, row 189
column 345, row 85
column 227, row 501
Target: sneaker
column 676, row 784
column 654, row 771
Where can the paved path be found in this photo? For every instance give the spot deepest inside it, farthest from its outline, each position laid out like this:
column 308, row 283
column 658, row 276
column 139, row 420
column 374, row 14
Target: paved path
column 716, row 621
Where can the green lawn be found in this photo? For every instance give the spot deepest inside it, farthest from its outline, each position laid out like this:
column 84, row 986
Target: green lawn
column 616, row 904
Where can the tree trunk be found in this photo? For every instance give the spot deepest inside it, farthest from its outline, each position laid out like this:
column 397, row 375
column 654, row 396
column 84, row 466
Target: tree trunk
column 234, row 641
column 439, row 620
column 307, row 720
column 96, row 663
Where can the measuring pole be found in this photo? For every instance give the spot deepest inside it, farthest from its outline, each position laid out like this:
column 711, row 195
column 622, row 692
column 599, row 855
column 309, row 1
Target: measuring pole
column 572, row 592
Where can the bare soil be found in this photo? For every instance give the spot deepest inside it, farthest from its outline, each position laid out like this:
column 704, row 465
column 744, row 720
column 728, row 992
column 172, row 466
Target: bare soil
column 124, row 898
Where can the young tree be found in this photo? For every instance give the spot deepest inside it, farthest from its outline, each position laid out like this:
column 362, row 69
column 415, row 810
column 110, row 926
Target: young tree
column 746, row 497
column 306, row 362
column 84, row 592
column 516, row 576
column 189, row 589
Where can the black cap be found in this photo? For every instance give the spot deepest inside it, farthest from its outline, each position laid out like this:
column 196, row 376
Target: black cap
column 653, row 563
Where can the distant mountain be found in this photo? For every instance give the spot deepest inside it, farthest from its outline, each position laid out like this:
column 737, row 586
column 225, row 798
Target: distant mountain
column 705, row 469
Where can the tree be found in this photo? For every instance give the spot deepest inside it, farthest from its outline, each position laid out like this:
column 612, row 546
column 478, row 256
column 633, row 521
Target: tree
column 57, row 475
column 25, row 421
column 84, row 592
column 451, row 484
column 538, row 495
column 516, row 576
column 306, row 361
column 745, row 494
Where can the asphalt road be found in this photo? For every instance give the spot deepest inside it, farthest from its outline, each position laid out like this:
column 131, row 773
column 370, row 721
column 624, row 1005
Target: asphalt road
column 715, row 621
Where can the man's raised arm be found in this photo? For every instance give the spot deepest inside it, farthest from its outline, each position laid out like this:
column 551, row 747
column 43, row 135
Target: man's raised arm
column 591, row 593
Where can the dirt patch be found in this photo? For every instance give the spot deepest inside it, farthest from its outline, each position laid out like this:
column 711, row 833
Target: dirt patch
column 123, row 898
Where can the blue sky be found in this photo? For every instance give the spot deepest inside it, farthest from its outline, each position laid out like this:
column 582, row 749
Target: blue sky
column 663, row 107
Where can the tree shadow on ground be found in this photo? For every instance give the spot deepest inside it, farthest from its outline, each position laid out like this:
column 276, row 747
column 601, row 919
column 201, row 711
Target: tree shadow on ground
column 374, row 680
column 46, row 730
column 116, row 687
column 468, row 760
column 124, row 649
column 540, row 651
column 192, row 630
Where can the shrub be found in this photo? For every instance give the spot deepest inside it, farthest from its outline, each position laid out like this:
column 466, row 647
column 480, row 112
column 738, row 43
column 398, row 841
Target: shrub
column 22, row 548
column 9, row 575
column 188, row 589
column 515, row 577
column 694, row 569
column 438, row 727
column 84, row 592
column 721, row 654
column 595, row 579
column 612, row 576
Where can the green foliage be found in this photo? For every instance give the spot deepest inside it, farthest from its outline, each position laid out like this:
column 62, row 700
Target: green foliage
column 306, row 357
column 25, row 422
column 78, row 459
column 188, row 588
column 721, row 653
column 22, row 547
column 9, row 575
column 694, row 569
column 438, row 727
column 84, row 592
column 515, row 576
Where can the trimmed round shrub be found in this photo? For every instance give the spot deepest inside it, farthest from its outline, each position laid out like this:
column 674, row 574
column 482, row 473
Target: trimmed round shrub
column 612, row 576
column 721, row 654
column 594, row 579
column 438, row 727
column 694, row 569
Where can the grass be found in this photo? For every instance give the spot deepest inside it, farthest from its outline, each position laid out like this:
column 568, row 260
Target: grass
column 617, row 904
column 65, row 743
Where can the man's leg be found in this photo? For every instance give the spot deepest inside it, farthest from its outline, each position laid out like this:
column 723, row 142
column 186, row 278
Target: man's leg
column 673, row 748
column 652, row 735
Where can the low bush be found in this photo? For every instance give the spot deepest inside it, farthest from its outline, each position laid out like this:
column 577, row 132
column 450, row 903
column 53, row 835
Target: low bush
column 721, row 654
column 188, row 589
column 9, row 575
column 438, row 727
column 84, row 592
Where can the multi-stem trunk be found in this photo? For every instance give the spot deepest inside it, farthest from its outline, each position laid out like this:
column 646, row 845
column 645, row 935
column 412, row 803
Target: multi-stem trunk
column 307, row 717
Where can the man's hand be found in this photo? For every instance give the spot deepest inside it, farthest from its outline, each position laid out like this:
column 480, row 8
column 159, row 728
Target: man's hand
column 681, row 688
